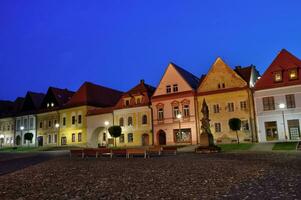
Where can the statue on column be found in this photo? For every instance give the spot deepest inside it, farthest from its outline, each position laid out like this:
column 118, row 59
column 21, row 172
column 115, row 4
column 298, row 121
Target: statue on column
column 206, row 137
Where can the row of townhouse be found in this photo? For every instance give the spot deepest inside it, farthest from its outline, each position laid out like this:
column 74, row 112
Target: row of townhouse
column 269, row 108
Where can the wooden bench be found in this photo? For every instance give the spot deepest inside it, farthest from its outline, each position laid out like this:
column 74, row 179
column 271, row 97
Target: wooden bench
column 154, row 150
column 90, row 152
column 118, row 152
column 77, row 153
column 135, row 151
column 103, row 152
column 170, row 150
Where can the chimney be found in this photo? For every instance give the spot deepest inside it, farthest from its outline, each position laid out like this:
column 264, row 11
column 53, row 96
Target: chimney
column 238, row 67
column 142, row 81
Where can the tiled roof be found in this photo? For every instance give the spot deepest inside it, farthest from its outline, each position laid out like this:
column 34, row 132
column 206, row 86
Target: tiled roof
column 36, row 98
column 141, row 88
column 191, row 79
column 283, row 62
column 244, row 72
column 99, row 111
column 62, row 95
column 94, row 95
column 6, row 107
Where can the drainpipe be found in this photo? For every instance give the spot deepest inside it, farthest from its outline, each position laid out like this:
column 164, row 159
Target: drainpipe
column 196, row 113
column 151, row 121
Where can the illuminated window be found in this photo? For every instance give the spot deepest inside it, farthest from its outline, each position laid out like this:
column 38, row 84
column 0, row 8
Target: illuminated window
column 160, row 114
column 73, row 137
column 52, row 104
column 121, row 138
column 278, row 76
column 231, row 107
column 130, row 121
column 268, row 103
column 216, row 108
column 186, row 110
column 176, row 111
column 144, row 119
column 293, row 74
column 243, row 105
column 121, row 122
column 130, row 137
column 218, row 127
column 168, row 89
column 79, row 137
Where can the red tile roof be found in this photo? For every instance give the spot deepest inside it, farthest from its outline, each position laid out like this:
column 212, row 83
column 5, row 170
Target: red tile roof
column 283, row 62
column 99, row 111
column 94, row 95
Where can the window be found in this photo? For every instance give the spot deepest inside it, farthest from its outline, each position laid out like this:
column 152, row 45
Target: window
column 160, row 114
column 73, row 120
column 175, row 111
column 130, row 137
column 168, row 89
column 175, row 88
column 41, row 124
column 130, row 121
column 216, row 108
column 245, row 125
column 144, row 119
column 218, row 86
column 278, row 76
column 183, row 136
column 31, row 123
column 121, row 121
column 217, row 127
column 73, row 137
column 104, row 136
column 49, row 123
column 79, row 119
column 64, row 121
column 268, row 103
column 224, row 85
column 293, row 74
column 243, row 105
column 231, row 107
column 290, row 101
column 18, row 124
column 25, row 124
column 79, row 137
column 127, row 102
column 138, row 101
column 271, row 130
column 186, row 110
column 121, row 138
column 55, row 138
column 49, row 139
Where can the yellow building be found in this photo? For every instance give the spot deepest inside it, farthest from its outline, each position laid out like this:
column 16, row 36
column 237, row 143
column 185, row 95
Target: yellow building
column 73, row 120
column 133, row 113
column 228, row 95
column 48, row 116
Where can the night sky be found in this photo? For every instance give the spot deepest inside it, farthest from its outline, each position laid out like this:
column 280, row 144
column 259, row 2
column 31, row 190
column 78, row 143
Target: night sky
column 116, row 43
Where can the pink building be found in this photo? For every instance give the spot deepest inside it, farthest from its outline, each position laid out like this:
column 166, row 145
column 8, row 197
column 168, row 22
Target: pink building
column 174, row 108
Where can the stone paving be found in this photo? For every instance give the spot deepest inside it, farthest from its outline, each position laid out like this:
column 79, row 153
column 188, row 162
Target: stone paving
column 185, row 176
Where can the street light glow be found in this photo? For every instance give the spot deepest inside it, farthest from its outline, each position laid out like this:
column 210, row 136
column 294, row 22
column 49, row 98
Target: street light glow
column 57, row 125
column 106, row 123
column 21, row 128
column 179, row 116
column 282, row 105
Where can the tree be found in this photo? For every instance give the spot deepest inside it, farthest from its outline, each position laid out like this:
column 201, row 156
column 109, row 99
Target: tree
column 235, row 125
column 28, row 137
column 115, row 132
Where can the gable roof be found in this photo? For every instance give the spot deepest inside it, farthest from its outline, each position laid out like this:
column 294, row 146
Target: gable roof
column 283, row 62
column 191, row 79
column 141, row 88
column 58, row 95
column 6, row 107
column 94, row 95
column 244, row 72
column 218, row 63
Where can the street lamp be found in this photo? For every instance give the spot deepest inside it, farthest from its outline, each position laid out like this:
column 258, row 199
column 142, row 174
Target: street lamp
column 282, row 106
column 57, row 126
column 179, row 116
column 21, row 128
column 105, row 135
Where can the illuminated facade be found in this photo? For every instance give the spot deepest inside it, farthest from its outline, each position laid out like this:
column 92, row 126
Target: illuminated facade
column 228, row 94
column 278, row 100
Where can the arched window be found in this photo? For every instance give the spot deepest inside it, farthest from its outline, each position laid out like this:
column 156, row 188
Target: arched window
column 130, row 137
column 121, row 122
column 130, row 121
column 144, row 119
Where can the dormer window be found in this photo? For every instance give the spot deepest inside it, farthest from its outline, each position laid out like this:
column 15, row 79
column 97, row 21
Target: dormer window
column 175, row 88
column 127, row 102
column 292, row 74
column 138, row 101
column 278, row 76
column 52, row 104
column 168, row 89
column 47, row 105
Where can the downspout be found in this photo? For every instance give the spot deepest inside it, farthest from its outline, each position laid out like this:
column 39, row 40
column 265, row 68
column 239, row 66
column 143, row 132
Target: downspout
column 196, row 111
column 153, row 139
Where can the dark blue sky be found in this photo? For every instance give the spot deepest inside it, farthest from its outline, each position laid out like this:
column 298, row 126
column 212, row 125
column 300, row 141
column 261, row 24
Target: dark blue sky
column 116, row 43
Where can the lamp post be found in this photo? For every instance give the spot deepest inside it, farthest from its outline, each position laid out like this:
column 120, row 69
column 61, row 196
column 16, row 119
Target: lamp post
column 21, row 128
column 57, row 126
column 179, row 116
column 106, row 125
column 282, row 106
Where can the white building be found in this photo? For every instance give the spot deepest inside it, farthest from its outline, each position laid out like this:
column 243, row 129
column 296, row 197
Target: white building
column 26, row 119
column 278, row 100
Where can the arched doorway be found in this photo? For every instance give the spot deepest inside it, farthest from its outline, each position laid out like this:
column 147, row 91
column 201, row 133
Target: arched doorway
column 98, row 137
column 145, row 139
column 162, row 137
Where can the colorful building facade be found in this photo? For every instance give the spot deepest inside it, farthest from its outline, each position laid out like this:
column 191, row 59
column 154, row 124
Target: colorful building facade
column 73, row 119
column 228, row 94
column 7, row 123
column 278, row 100
column 48, row 117
column 174, row 108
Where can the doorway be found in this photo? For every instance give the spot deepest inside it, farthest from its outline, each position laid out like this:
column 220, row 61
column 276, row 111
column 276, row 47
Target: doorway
column 162, row 137
column 145, row 139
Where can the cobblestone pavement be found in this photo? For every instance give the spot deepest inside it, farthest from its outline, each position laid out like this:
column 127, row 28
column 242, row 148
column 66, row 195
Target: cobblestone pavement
column 185, row 176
